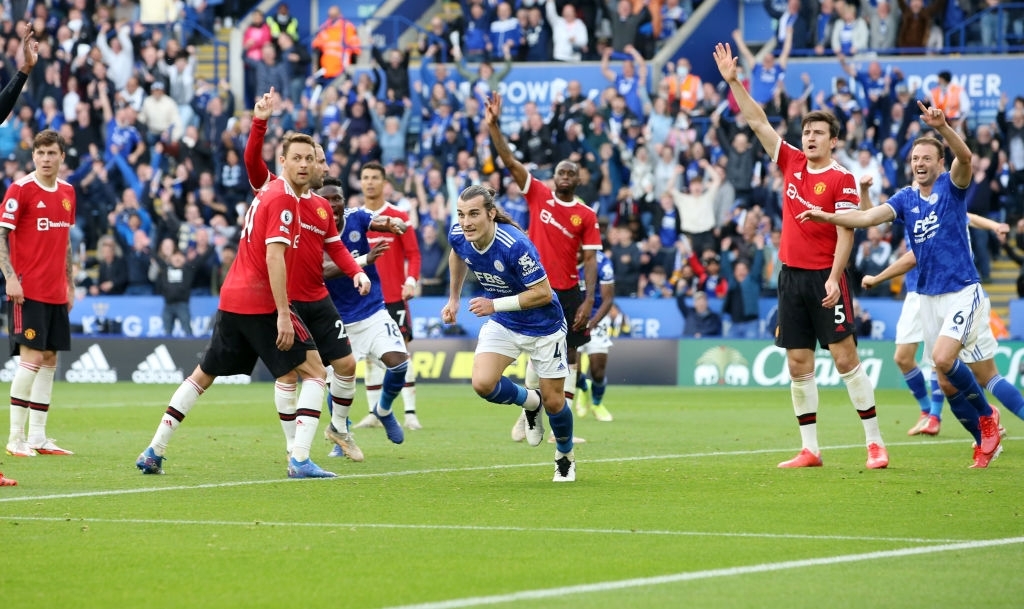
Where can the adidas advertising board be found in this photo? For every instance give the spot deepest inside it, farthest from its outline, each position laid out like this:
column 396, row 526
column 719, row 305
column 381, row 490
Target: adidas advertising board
column 91, row 367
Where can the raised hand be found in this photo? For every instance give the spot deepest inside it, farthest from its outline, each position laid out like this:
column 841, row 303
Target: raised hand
column 492, row 109
column 264, row 105
column 726, row 61
column 933, row 117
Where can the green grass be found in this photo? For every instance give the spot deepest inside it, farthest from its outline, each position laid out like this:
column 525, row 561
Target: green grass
column 678, row 503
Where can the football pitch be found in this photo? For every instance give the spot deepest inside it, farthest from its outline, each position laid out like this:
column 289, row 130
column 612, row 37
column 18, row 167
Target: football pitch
column 677, row 503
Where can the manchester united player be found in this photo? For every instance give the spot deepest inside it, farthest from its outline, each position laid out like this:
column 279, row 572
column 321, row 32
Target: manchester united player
column 814, row 290
column 306, row 289
column 254, row 320
column 8, row 97
column 36, row 221
column 560, row 226
column 399, row 270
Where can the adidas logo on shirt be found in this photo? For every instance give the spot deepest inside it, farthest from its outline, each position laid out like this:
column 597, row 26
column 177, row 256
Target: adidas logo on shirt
column 91, row 367
column 158, row 367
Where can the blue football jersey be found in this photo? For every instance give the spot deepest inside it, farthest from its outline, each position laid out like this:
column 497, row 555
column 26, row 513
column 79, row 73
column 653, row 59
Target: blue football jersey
column 351, row 306
column 508, row 266
column 605, row 276
column 911, row 278
column 937, row 227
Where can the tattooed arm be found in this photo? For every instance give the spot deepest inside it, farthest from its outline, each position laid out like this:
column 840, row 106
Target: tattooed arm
column 14, row 291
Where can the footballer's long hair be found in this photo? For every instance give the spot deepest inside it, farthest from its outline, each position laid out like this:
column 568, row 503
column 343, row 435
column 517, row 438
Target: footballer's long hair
column 480, row 190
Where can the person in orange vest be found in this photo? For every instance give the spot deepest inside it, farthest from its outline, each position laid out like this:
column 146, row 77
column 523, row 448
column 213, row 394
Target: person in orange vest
column 685, row 89
column 950, row 97
column 337, row 43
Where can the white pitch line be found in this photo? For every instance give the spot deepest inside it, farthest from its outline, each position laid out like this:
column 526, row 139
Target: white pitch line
column 525, row 595
column 444, row 470
column 471, row 528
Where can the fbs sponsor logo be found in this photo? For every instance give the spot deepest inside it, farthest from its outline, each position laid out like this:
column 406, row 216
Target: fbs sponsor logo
column 91, row 367
column 721, row 365
column 158, row 368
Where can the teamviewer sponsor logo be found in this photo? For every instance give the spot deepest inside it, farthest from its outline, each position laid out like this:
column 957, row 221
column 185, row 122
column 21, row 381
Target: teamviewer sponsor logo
column 91, row 367
column 158, row 368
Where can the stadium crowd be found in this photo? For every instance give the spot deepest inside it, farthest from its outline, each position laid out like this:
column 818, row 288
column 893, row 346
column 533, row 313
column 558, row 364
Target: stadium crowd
column 688, row 200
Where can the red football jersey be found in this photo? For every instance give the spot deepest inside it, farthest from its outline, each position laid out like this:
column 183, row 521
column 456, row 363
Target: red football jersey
column 401, row 261
column 559, row 229
column 255, row 167
column 273, row 217
column 40, row 221
column 319, row 235
column 811, row 245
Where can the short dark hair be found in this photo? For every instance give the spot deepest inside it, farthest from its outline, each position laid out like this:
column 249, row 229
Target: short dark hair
column 48, row 137
column 821, row 116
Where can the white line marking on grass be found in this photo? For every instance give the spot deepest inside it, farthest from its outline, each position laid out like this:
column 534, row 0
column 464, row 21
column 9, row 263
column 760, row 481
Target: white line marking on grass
column 497, row 599
column 442, row 470
column 488, row 529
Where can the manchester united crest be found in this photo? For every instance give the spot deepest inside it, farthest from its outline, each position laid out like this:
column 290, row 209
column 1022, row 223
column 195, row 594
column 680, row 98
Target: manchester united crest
column 30, row 334
column 66, row 204
column 576, row 220
column 320, row 211
column 819, row 188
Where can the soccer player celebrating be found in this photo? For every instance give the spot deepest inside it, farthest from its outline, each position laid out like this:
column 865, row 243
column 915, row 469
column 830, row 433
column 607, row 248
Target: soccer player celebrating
column 254, row 320
column 306, row 289
column 372, row 332
column 953, row 305
column 814, row 295
column 38, row 213
column 399, row 270
column 525, row 318
column 560, row 226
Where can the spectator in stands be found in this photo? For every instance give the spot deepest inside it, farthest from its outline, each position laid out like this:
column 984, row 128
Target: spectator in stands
column 112, row 272
column 712, row 281
column 337, row 44
column 626, row 23
column 696, row 208
column 883, row 24
column 486, row 79
column 505, row 35
column 951, row 98
column 873, row 256
column 916, row 22
column 795, row 17
column 117, row 51
column 438, row 36
column 160, row 116
column 674, row 13
column 298, row 60
column 823, row 23
column 742, row 299
column 255, row 35
column 395, row 65
column 475, row 35
column 174, row 283
column 699, row 321
column 138, row 261
column 284, row 23
column 766, row 72
column 850, row 34
column 655, row 284
column 227, row 258
column 569, row 36
column 536, row 37
column 685, row 89
column 182, row 86
column 433, row 261
column 625, row 256
column 631, row 82
column 267, row 72
column 391, row 131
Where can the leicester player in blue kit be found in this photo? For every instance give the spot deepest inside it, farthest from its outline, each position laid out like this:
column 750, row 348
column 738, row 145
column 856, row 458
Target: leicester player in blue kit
column 371, row 330
column 953, row 305
column 525, row 318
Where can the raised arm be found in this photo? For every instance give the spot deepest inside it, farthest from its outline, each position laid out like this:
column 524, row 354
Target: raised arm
column 850, row 219
column 900, row 266
column 751, row 110
column 743, row 49
column 1001, row 229
column 866, row 181
column 255, row 166
column 960, row 170
column 10, row 93
column 492, row 116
